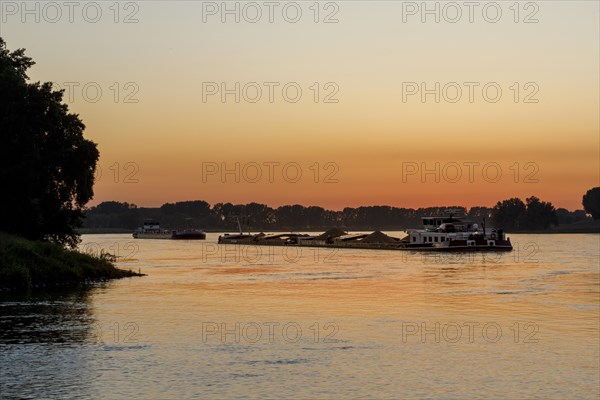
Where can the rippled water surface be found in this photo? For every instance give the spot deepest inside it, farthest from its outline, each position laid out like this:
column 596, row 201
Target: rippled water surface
column 213, row 321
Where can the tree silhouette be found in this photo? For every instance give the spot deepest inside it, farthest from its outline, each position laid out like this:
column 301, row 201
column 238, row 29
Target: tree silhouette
column 591, row 202
column 514, row 215
column 46, row 165
column 509, row 214
column 539, row 214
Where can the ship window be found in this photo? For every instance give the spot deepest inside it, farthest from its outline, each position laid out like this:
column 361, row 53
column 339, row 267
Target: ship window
column 436, row 239
column 414, row 238
column 443, row 239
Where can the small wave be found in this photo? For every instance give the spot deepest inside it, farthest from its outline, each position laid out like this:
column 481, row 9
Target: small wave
column 246, row 375
column 287, row 362
column 328, row 348
column 335, row 278
column 123, row 347
column 280, row 362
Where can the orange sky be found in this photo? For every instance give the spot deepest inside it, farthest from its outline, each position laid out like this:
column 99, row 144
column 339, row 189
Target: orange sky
column 369, row 127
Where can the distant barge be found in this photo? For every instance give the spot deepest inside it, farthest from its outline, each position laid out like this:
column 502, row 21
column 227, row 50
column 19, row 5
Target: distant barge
column 151, row 230
column 439, row 234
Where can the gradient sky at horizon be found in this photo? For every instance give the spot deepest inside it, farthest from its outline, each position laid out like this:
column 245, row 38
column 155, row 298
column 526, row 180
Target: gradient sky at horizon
column 371, row 134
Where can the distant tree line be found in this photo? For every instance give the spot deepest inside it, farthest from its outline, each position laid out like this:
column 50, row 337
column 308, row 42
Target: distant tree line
column 512, row 214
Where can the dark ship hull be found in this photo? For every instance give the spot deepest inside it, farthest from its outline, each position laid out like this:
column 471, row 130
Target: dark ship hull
column 189, row 235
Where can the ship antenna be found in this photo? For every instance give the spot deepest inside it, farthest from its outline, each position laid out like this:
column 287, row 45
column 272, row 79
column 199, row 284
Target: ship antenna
column 239, row 225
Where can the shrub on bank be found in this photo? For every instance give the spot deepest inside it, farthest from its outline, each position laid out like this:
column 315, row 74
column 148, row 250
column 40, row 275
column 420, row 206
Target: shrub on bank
column 28, row 264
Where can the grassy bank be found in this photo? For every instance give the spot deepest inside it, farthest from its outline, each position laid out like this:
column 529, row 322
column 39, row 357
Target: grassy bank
column 25, row 264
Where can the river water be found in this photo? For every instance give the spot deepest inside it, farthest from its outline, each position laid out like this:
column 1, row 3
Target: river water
column 212, row 321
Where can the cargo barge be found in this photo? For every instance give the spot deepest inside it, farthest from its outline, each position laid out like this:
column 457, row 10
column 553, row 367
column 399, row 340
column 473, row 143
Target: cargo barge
column 151, row 230
column 445, row 233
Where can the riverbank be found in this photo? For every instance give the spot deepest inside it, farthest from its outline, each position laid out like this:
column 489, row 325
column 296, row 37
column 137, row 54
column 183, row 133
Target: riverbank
column 95, row 231
column 578, row 227
column 26, row 264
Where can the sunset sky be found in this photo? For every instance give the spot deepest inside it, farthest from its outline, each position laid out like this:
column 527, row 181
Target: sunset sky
column 159, row 126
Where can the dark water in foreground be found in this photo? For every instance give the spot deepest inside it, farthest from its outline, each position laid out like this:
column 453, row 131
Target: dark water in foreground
column 229, row 322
